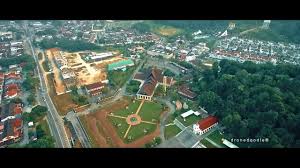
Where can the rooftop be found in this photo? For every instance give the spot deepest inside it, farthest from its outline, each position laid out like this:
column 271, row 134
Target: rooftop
column 121, row 63
column 207, row 122
column 184, row 90
column 92, row 86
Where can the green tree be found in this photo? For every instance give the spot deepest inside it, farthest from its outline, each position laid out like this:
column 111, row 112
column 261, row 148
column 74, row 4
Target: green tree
column 31, row 99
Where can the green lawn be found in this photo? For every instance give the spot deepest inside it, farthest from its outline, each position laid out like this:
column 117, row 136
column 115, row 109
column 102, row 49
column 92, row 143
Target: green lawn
column 45, row 127
column 192, row 119
column 121, row 130
column 171, row 131
column 132, row 107
column 118, row 78
column 216, row 136
column 137, row 131
column 207, row 144
column 150, row 110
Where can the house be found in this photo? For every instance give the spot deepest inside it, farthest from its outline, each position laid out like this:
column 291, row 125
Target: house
column 186, row 92
column 150, row 80
column 120, row 65
column 11, row 91
column 205, row 125
column 94, row 89
column 11, row 125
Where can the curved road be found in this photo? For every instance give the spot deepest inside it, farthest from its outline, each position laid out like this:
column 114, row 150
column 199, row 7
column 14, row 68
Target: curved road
column 165, row 116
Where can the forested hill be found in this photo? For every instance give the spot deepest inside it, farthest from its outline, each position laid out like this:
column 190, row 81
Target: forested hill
column 288, row 28
column 254, row 101
column 280, row 30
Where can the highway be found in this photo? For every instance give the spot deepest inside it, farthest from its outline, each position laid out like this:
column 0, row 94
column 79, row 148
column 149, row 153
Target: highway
column 55, row 121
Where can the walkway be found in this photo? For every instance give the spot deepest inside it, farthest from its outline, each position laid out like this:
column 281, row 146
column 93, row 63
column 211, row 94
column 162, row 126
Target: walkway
column 212, row 142
column 179, row 124
column 137, row 112
column 165, row 115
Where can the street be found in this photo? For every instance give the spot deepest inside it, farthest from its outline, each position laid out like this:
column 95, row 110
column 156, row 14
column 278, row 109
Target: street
column 79, row 130
column 43, row 98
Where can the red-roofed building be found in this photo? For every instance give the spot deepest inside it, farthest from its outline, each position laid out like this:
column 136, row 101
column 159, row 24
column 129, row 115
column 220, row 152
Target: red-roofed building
column 1, row 75
column 11, row 94
column 150, row 80
column 95, row 88
column 205, row 125
column 11, row 86
column 186, row 92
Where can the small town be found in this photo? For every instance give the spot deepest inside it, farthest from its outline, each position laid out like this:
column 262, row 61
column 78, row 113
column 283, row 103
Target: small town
column 142, row 84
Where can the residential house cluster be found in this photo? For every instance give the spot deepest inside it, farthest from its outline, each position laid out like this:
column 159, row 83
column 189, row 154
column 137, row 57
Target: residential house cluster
column 258, row 51
column 180, row 49
column 68, row 75
column 11, row 123
column 10, row 82
column 119, row 36
column 11, row 49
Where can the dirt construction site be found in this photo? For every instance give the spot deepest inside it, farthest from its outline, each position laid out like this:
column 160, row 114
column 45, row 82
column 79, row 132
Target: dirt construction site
column 60, row 87
column 86, row 72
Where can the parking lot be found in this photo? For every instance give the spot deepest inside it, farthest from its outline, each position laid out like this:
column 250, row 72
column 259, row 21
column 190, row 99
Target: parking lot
column 185, row 139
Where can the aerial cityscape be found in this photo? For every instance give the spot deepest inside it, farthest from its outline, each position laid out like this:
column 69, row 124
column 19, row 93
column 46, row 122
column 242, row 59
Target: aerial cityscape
column 149, row 84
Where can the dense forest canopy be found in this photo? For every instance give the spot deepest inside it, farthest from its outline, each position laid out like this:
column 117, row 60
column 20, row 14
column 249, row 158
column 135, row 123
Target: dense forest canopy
column 254, row 101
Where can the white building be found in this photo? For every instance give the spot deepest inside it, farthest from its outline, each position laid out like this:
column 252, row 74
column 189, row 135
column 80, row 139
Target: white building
column 205, row 125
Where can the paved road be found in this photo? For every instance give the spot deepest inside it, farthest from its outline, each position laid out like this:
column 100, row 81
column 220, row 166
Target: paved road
column 79, row 130
column 165, row 116
column 54, row 120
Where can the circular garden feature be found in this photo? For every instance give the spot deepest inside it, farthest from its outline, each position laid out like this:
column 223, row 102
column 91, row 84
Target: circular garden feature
column 133, row 119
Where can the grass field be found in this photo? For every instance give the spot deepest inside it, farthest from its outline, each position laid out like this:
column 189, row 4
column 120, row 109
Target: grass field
column 167, row 30
column 120, row 125
column 45, row 127
column 189, row 120
column 171, row 131
column 216, row 136
column 151, row 111
column 137, row 131
column 148, row 112
column 132, row 107
column 63, row 103
column 207, row 144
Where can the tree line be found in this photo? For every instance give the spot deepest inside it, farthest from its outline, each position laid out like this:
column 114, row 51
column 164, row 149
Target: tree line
column 253, row 101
